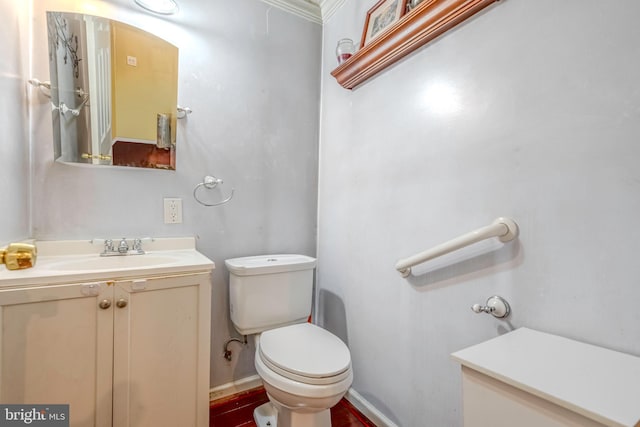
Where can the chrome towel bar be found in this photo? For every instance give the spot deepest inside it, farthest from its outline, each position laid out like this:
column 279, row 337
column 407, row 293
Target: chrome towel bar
column 505, row 229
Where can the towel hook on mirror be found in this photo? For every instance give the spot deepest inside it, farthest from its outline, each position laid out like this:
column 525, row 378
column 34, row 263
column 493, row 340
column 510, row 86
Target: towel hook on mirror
column 41, row 85
column 183, row 112
column 209, row 182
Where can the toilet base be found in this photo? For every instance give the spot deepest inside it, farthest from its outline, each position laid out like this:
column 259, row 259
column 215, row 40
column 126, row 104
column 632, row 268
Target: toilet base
column 266, row 415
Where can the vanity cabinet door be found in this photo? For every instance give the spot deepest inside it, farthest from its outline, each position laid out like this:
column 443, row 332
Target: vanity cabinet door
column 56, row 347
column 161, row 351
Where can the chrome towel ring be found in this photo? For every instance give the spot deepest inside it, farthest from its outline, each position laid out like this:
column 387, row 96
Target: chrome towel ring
column 209, row 182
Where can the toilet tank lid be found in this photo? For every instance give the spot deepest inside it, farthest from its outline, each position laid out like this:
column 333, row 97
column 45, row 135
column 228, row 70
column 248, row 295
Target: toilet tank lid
column 269, row 264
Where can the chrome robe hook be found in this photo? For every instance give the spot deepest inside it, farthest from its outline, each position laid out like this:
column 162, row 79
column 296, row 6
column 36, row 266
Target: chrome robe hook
column 209, row 182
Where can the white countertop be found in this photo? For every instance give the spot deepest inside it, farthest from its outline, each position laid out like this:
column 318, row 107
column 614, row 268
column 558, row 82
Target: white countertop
column 62, row 262
column 598, row 383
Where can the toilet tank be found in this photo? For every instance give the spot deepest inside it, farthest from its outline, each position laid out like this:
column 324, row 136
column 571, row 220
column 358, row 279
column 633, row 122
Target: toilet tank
column 269, row 291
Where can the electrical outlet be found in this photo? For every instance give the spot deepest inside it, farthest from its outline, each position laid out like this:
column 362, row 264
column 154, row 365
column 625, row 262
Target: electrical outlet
column 173, row 211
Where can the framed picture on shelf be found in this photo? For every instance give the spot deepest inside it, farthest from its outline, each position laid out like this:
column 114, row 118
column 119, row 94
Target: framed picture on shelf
column 381, row 16
column 412, row 4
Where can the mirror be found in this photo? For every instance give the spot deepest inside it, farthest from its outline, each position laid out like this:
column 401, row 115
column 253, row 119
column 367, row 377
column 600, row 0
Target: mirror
column 114, row 91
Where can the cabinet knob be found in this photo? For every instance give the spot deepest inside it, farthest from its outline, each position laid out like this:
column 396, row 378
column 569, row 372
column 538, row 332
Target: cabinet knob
column 121, row 303
column 104, row 304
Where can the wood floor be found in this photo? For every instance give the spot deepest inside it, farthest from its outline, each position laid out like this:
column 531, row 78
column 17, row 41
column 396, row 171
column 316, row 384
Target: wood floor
column 237, row 411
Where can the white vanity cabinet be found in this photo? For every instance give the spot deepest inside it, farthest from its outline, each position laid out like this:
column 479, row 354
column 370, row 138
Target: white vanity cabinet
column 56, row 346
column 131, row 352
column 528, row 378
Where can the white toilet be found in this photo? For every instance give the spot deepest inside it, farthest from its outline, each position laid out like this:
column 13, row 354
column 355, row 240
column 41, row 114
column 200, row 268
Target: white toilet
column 305, row 369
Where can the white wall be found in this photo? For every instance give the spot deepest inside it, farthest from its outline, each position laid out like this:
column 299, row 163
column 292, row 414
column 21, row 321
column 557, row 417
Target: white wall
column 14, row 147
column 530, row 110
column 254, row 91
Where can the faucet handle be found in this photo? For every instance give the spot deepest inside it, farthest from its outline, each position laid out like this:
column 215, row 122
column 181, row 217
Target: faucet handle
column 137, row 246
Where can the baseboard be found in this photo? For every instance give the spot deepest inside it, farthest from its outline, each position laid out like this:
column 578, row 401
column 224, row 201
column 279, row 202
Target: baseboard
column 368, row 410
column 234, row 387
column 355, row 398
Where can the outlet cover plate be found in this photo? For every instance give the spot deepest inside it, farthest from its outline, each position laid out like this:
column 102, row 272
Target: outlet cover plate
column 172, row 210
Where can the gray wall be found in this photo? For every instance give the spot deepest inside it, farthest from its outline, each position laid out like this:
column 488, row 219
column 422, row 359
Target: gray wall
column 529, row 110
column 250, row 73
column 14, row 147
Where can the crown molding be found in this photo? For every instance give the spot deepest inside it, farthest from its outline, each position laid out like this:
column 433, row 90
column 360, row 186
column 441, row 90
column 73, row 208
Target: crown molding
column 329, row 7
column 302, row 8
column 317, row 11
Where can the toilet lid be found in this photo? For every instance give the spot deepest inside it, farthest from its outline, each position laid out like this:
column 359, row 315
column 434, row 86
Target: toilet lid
column 305, row 351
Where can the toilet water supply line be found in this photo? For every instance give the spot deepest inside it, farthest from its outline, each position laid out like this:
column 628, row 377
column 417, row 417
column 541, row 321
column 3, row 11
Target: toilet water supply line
column 505, row 229
column 228, row 353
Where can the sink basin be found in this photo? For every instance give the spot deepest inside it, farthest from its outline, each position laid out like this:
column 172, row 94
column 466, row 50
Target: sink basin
column 114, row 262
column 79, row 261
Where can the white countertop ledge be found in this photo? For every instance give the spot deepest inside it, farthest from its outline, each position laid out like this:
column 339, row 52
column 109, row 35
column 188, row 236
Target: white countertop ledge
column 600, row 384
column 62, row 262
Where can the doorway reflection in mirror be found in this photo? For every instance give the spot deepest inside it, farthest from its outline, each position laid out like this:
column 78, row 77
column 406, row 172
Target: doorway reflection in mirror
column 109, row 84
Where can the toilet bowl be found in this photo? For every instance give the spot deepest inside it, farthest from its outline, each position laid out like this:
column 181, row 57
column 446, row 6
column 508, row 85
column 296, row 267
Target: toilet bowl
column 305, row 369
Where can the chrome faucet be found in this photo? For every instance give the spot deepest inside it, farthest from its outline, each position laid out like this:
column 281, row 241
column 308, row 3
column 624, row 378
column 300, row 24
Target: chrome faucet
column 123, row 246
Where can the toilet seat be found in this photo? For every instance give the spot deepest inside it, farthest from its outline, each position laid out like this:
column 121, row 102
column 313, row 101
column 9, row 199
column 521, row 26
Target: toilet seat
column 305, row 353
column 309, row 392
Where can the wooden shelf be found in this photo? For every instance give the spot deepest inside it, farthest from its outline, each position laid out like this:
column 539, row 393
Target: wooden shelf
column 421, row 25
